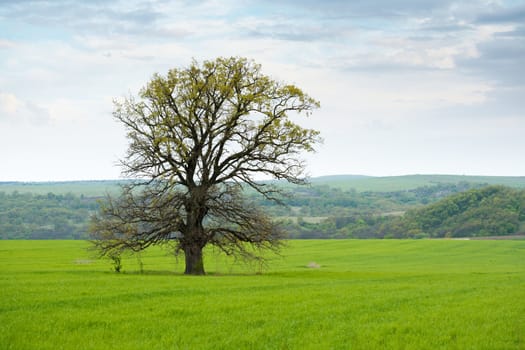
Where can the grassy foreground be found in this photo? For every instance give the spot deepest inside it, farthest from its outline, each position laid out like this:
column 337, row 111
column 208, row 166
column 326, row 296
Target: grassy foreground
column 365, row 295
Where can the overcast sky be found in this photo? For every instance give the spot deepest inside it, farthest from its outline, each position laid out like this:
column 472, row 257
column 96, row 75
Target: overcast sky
column 406, row 86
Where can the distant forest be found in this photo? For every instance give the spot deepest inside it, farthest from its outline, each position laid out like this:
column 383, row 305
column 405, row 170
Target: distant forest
column 321, row 210
column 422, row 213
column 50, row 216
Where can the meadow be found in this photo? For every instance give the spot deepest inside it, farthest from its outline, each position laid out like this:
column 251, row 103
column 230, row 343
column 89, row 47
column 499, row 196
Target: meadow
column 359, row 294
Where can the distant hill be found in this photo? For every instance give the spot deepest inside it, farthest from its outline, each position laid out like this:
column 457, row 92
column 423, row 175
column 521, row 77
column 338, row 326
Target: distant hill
column 410, row 182
column 360, row 183
column 487, row 211
column 342, row 206
column 339, row 178
column 85, row 188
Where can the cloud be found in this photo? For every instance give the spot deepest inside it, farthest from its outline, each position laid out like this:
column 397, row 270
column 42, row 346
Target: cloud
column 102, row 17
column 355, row 9
column 9, row 103
column 500, row 57
column 145, row 20
column 16, row 110
column 374, row 36
column 5, row 44
column 282, row 28
column 514, row 14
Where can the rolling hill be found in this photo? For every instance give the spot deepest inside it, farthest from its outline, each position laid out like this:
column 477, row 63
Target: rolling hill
column 360, row 183
column 342, row 206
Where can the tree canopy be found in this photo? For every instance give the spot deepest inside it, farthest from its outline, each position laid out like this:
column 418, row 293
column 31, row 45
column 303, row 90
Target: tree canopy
column 197, row 136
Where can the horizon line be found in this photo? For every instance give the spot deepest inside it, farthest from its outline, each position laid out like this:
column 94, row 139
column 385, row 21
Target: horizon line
column 3, row 182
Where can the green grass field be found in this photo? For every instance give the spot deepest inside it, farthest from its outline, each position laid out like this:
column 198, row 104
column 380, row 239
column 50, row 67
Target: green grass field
column 369, row 294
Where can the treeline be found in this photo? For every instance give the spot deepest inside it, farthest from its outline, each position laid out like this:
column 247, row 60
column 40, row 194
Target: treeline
column 463, row 209
column 487, row 211
column 50, row 216
column 322, row 200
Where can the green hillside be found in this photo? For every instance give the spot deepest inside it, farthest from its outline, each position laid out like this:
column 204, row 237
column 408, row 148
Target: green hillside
column 359, row 183
column 86, row 188
column 488, row 211
column 408, row 182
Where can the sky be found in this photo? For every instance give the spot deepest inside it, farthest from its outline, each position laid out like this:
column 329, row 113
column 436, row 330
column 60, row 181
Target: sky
column 405, row 86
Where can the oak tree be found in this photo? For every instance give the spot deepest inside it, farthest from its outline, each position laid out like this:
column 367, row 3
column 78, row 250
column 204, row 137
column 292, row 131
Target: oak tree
column 198, row 138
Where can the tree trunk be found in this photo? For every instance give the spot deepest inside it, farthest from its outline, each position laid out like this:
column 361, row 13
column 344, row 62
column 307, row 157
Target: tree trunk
column 194, row 238
column 194, row 262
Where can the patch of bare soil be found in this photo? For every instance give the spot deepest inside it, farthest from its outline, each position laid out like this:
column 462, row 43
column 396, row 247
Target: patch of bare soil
column 313, row 265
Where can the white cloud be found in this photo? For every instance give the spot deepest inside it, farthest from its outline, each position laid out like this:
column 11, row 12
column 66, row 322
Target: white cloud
column 5, row 44
column 9, row 104
column 16, row 110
